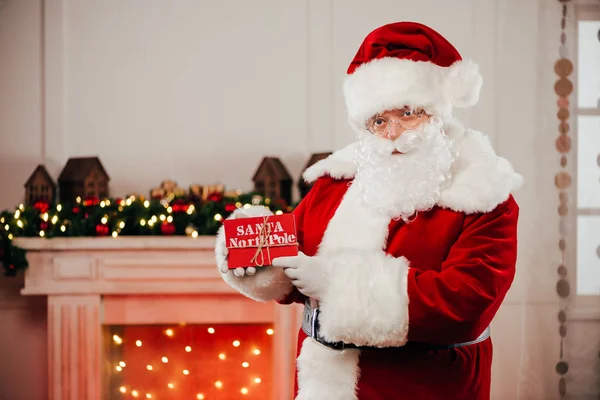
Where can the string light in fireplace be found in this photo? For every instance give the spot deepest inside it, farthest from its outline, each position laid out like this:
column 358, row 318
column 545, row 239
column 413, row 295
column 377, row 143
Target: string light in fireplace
column 220, row 385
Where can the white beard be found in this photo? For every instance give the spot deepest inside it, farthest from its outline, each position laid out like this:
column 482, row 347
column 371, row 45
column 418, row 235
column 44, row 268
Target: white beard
column 400, row 185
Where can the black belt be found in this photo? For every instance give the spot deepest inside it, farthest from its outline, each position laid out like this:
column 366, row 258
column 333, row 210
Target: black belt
column 310, row 326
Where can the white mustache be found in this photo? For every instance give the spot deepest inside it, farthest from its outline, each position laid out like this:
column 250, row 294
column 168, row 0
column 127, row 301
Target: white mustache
column 409, row 141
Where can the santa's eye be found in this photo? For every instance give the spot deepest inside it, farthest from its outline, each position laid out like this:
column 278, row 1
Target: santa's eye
column 408, row 113
column 378, row 121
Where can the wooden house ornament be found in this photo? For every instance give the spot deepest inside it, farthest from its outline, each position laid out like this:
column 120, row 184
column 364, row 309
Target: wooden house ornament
column 273, row 180
column 40, row 186
column 83, row 177
column 304, row 186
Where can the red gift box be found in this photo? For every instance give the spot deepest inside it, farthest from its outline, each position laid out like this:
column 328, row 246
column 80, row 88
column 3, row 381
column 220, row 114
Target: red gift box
column 256, row 241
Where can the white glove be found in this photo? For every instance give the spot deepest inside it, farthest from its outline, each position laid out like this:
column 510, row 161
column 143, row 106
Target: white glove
column 222, row 251
column 311, row 275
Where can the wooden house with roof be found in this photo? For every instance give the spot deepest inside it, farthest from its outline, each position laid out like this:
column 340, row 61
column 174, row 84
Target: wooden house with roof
column 304, row 186
column 40, row 186
column 273, row 180
column 83, row 177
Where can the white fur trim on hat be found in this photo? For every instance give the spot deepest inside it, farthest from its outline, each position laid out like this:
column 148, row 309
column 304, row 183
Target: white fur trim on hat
column 388, row 83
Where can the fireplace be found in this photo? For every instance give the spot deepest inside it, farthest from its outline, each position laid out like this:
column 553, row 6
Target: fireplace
column 145, row 317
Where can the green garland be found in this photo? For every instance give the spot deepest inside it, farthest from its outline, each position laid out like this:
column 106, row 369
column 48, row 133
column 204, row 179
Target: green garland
column 119, row 217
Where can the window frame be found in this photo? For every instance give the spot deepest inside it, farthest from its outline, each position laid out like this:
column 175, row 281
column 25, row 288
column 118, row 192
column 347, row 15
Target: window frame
column 584, row 307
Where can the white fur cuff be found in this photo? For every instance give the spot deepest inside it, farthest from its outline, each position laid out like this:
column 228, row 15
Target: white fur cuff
column 367, row 303
column 269, row 283
column 326, row 374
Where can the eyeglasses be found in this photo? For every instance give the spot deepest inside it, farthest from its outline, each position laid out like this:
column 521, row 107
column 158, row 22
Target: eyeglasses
column 409, row 119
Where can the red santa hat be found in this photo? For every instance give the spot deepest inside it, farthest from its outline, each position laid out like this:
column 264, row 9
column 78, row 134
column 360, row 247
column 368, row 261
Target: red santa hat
column 407, row 63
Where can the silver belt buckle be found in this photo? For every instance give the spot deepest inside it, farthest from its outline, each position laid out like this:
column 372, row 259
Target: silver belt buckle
column 309, row 319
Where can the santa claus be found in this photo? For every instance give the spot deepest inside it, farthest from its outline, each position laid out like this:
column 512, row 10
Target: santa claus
column 408, row 237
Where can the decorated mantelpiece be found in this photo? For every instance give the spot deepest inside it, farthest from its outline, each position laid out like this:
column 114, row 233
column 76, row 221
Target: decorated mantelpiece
column 83, row 208
column 116, row 217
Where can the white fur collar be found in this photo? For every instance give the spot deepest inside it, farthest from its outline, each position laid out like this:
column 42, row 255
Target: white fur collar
column 481, row 179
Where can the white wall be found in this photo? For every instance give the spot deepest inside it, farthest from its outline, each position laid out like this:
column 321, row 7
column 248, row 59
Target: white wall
column 23, row 357
column 199, row 91
column 20, row 96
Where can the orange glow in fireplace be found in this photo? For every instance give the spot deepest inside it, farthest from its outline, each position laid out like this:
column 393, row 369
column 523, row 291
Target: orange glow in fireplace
column 190, row 361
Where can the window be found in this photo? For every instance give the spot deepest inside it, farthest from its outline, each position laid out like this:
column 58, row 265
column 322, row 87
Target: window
column 587, row 118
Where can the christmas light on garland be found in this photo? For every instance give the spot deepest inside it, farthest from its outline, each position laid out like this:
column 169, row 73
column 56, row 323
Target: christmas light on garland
column 131, row 216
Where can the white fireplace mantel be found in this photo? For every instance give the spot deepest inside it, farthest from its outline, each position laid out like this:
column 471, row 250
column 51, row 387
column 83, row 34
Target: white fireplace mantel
column 91, row 282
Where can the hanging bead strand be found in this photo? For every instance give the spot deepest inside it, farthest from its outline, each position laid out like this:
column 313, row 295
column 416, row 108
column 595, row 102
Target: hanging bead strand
column 563, row 88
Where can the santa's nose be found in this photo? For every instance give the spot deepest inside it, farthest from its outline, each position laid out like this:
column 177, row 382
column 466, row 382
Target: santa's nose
column 395, row 131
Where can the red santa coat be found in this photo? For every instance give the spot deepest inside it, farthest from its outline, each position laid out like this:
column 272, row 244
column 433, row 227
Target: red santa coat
column 439, row 279
column 461, row 267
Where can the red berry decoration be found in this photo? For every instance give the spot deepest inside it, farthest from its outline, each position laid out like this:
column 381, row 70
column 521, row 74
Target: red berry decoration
column 167, row 228
column 230, row 207
column 101, row 230
column 179, row 206
column 75, row 210
column 43, row 225
column 91, row 201
column 215, row 197
column 41, row 205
